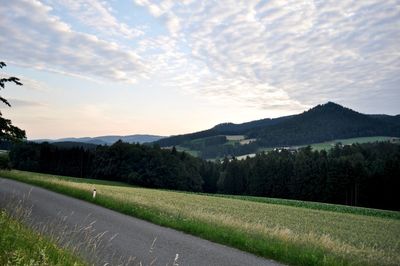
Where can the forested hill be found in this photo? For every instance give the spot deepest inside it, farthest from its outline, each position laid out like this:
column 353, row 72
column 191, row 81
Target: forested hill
column 326, row 122
column 223, row 129
column 322, row 123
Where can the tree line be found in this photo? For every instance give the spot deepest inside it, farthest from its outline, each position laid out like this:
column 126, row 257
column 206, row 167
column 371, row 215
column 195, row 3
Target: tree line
column 360, row 174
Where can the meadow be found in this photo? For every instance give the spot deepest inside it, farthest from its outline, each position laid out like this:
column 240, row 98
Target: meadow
column 330, row 144
column 293, row 232
column 240, row 139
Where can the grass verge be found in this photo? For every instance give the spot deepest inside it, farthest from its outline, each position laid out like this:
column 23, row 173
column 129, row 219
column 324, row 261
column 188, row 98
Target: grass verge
column 22, row 246
column 292, row 234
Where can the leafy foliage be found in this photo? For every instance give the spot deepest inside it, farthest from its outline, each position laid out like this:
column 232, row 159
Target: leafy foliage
column 7, row 130
column 10, row 132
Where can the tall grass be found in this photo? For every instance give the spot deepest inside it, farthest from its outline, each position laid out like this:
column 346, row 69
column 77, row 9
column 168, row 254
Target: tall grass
column 293, row 234
column 20, row 245
column 24, row 241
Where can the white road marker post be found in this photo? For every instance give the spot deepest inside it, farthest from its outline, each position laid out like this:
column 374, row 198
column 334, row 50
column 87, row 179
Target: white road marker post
column 176, row 260
column 94, row 193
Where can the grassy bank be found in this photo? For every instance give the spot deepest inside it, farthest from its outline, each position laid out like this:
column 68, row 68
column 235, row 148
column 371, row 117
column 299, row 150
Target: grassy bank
column 297, row 235
column 22, row 246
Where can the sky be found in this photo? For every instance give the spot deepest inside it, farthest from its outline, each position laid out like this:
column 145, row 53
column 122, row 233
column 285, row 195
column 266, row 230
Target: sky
column 92, row 68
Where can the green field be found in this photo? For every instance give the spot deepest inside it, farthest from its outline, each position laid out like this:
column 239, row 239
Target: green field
column 233, row 140
column 21, row 246
column 189, row 151
column 294, row 232
column 330, row 144
column 235, row 137
column 243, row 157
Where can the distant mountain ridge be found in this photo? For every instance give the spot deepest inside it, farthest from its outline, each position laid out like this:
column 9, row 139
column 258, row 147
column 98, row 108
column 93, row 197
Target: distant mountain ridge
column 324, row 122
column 106, row 140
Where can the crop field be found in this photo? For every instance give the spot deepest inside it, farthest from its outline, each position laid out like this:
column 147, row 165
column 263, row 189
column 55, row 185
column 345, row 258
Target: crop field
column 294, row 232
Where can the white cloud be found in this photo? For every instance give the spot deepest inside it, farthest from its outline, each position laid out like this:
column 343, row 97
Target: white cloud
column 304, row 52
column 19, row 103
column 98, row 16
column 264, row 54
column 30, row 35
column 173, row 24
column 164, row 11
column 27, row 83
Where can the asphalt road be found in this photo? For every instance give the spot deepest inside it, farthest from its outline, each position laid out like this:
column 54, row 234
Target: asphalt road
column 104, row 236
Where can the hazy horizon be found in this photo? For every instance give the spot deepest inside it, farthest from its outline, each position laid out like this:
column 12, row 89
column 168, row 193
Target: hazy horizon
column 94, row 68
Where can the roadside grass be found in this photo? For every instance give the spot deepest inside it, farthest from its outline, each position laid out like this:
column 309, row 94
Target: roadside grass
column 278, row 229
column 19, row 245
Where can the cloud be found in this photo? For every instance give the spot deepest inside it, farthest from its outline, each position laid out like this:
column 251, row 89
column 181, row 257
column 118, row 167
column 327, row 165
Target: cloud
column 163, row 10
column 33, row 84
column 173, row 24
column 261, row 54
column 98, row 16
column 19, row 103
column 30, row 35
column 293, row 53
column 27, row 83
